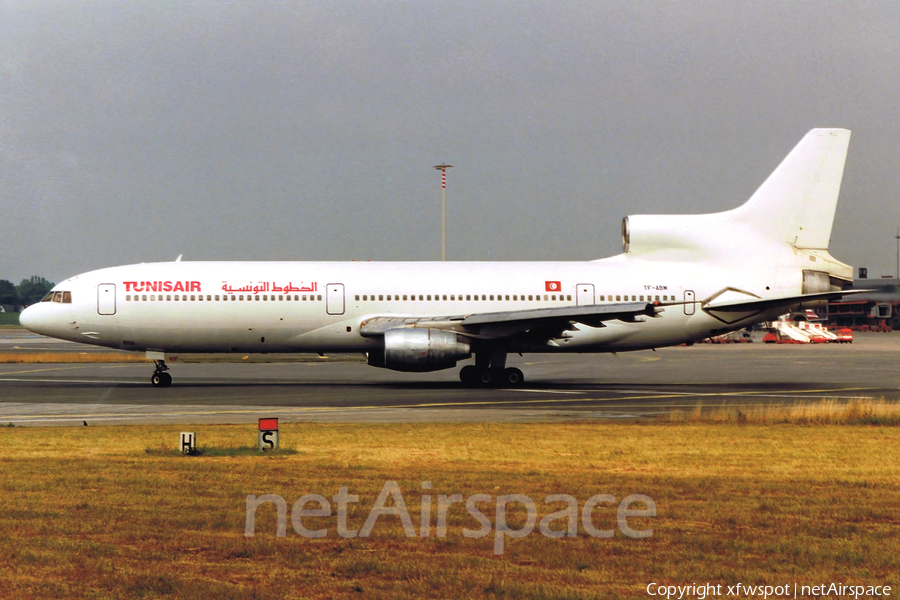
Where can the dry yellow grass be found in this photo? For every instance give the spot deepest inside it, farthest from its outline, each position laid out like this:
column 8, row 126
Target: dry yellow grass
column 70, row 357
column 117, row 513
column 136, row 357
column 825, row 412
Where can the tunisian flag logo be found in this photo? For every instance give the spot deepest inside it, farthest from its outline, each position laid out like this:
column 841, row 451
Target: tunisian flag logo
column 552, row 286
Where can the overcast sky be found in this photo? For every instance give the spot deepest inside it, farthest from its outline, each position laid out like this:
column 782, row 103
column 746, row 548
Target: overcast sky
column 258, row 130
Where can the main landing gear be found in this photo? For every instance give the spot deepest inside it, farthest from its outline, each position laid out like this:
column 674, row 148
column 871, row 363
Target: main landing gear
column 160, row 378
column 490, row 370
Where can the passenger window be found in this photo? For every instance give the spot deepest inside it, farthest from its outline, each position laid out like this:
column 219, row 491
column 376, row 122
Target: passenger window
column 618, row 298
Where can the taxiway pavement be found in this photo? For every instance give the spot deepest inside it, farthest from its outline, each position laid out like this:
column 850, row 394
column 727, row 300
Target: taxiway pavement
column 558, row 387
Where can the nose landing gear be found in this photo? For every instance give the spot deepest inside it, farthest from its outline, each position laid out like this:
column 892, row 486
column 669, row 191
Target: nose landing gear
column 160, row 378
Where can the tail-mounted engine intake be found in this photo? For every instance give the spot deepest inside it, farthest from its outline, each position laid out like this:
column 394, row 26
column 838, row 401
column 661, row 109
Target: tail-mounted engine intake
column 650, row 233
column 420, row 350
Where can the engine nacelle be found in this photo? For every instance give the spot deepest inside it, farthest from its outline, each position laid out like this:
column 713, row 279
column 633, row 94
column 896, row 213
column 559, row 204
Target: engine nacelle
column 651, row 233
column 420, row 350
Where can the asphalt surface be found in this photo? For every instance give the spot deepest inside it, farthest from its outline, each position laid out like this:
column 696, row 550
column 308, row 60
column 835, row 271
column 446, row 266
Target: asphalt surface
column 636, row 385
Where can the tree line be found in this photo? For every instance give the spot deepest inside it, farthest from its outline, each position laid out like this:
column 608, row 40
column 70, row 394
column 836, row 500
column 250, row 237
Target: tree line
column 26, row 293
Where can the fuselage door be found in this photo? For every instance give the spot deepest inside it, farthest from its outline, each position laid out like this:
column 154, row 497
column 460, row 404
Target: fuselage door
column 334, row 299
column 584, row 294
column 688, row 302
column 106, row 298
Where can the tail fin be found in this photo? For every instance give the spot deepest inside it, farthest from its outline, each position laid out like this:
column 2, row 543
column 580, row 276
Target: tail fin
column 793, row 210
column 796, row 204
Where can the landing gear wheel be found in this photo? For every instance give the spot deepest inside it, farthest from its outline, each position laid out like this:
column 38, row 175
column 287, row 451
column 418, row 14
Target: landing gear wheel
column 513, row 377
column 468, row 375
column 161, row 380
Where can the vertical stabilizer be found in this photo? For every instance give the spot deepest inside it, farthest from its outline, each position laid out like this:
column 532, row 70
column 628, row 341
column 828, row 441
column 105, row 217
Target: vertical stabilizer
column 796, row 204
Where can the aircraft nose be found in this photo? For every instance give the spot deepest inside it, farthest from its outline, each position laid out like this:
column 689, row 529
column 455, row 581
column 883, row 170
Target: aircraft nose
column 34, row 318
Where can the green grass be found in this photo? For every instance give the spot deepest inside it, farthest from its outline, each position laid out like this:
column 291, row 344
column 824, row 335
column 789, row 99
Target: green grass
column 117, row 512
column 9, row 319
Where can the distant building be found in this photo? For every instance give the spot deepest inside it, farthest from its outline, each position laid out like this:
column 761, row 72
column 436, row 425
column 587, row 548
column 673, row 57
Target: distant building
column 878, row 310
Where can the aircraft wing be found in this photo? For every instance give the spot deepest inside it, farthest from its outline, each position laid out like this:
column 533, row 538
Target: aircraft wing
column 542, row 323
column 731, row 312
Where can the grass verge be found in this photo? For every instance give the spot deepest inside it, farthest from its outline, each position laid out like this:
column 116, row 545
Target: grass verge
column 9, row 319
column 115, row 512
column 826, row 412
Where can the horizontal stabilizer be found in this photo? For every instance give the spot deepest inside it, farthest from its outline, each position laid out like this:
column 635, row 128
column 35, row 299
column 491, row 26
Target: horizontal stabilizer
column 732, row 312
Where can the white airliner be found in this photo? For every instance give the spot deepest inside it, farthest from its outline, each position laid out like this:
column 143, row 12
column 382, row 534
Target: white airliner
column 680, row 279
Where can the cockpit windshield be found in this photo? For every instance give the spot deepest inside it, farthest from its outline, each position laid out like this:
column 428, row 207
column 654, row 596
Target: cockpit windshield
column 61, row 297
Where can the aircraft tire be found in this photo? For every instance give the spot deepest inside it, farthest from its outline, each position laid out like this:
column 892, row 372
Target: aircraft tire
column 468, row 375
column 161, row 380
column 513, row 377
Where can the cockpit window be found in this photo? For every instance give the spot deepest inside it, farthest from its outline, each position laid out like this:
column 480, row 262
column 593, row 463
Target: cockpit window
column 61, row 297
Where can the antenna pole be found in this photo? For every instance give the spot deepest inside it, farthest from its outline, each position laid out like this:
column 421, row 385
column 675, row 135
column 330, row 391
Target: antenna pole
column 443, row 169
